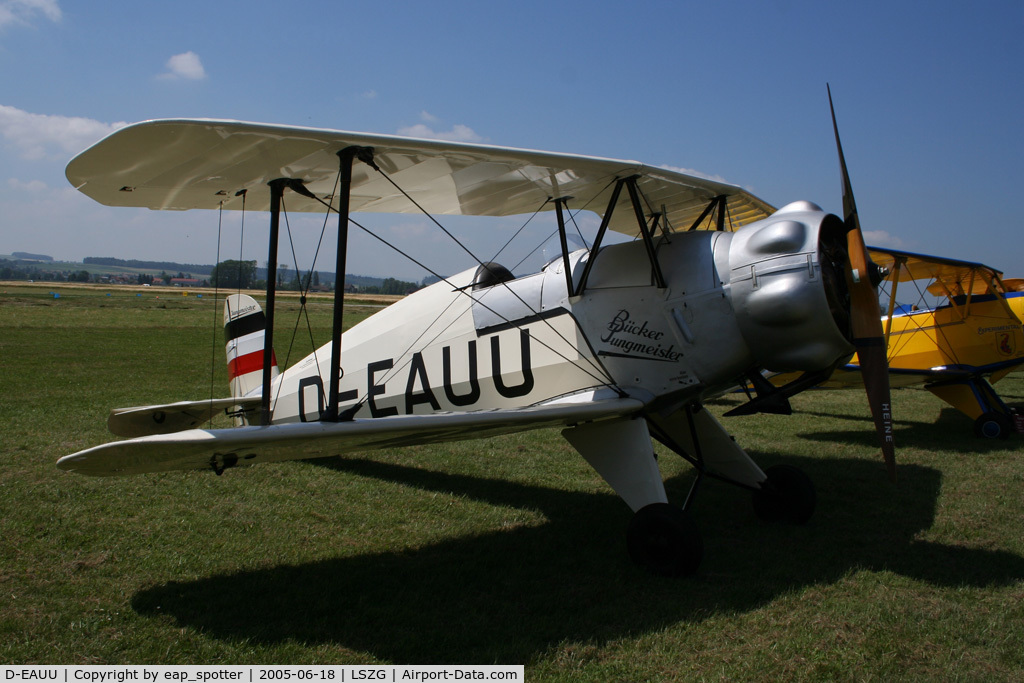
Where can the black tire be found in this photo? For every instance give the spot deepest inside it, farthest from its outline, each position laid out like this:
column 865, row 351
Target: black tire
column 663, row 539
column 993, row 425
column 787, row 496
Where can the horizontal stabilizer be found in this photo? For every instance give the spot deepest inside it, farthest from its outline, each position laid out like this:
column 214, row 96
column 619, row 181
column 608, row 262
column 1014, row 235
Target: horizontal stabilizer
column 219, row 449
column 172, row 417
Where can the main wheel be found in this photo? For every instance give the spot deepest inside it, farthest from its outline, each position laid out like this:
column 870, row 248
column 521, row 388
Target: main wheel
column 787, row 496
column 993, row 425
column 663, row 539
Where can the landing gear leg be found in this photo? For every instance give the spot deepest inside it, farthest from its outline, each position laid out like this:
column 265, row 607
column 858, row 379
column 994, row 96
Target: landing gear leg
column 976, row 398
column 663, row 539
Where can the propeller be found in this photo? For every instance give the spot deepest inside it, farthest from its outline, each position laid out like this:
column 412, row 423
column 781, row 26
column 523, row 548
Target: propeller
column 865, row 318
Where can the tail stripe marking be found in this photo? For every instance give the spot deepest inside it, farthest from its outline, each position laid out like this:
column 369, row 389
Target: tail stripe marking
column 247, row 324
column 250, row 362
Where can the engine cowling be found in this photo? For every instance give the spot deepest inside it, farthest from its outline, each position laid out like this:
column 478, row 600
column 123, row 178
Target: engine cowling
column 788, row 289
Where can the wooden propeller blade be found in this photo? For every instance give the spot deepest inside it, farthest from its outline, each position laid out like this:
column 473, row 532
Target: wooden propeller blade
column 865, row 317
column 875, row 371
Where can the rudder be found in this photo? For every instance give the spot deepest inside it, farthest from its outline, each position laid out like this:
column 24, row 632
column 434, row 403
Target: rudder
column 245, row 328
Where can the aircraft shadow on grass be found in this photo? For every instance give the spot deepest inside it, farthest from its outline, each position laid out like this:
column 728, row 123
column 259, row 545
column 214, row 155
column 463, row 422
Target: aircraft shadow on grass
column 947, row 432
column 510, row 596
column 951, row 430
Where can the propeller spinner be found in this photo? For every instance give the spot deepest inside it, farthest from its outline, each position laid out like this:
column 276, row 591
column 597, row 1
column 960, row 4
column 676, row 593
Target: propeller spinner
column 865, row 319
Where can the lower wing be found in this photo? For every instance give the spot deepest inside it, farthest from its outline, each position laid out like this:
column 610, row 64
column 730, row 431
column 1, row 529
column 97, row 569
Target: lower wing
column 219, row 449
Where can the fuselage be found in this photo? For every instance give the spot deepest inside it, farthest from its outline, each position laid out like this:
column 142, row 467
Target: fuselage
column 977, row 335
column 731, row 302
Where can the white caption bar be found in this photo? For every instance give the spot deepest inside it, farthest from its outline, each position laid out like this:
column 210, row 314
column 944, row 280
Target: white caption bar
column 163, row 673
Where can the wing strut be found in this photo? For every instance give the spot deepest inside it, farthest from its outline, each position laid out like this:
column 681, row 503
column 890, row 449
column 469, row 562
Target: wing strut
column 719, row 204
column 346, row 157
column 898, row 263
column 276, row 192
column 561, row 203
column 277, row 188
column 645, row 232
column 634, row 197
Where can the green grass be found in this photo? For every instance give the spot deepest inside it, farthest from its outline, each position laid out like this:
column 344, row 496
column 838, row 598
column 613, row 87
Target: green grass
column 509, row 550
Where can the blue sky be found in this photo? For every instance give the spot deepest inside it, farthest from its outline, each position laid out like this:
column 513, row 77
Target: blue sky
column 929, row 98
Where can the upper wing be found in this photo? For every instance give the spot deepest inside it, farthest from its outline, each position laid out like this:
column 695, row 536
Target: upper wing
column 217, row 449
column 948, row 275
column 189, row 164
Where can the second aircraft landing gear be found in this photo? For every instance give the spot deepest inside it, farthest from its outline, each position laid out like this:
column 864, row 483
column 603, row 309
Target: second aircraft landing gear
column 993, row 425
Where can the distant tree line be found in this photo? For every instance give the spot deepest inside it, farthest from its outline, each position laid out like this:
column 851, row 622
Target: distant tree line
column 147, row 265
column 232, row 274
column 17, row 270
column 166, row 278
column 228, row 274
column 31, row 257
column 391, row 286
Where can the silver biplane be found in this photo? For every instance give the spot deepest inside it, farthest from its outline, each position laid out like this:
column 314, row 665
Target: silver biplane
column 615, row 343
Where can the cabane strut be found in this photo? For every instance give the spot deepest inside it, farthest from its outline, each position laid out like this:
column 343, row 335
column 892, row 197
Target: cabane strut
column 646, row 233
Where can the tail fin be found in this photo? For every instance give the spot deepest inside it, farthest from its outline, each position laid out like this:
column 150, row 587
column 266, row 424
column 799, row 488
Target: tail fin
column 244, row 329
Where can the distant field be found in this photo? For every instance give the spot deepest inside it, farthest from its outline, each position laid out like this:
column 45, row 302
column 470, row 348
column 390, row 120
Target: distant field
column 93, row 289
column 509, row 550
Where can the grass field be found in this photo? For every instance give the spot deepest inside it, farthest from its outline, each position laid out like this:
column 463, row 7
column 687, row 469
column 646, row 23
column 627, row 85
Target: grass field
column 502, row 551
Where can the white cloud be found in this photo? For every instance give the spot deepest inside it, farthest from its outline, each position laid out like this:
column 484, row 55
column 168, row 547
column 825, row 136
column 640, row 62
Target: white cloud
column 24, row 11
column 186, row 66
column 458, row 133
column 428, row 117
column 29, row 186
column 369, row 95
column 38, row 136
column 880, row 238
column 696, row 174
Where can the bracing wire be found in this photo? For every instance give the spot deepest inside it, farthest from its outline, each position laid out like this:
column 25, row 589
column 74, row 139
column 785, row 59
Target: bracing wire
column 904, row 339
column 938, row 328
column 572, row 217
column 521, row 228
column 309, row 278
column 534, row 250
column 605, row 380
column 479, row 262
column 241, row 238
column 216, row 291
column 601, row 375
column 305, row 283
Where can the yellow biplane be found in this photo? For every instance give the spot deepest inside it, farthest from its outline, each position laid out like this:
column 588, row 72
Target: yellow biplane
column 958, row 332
